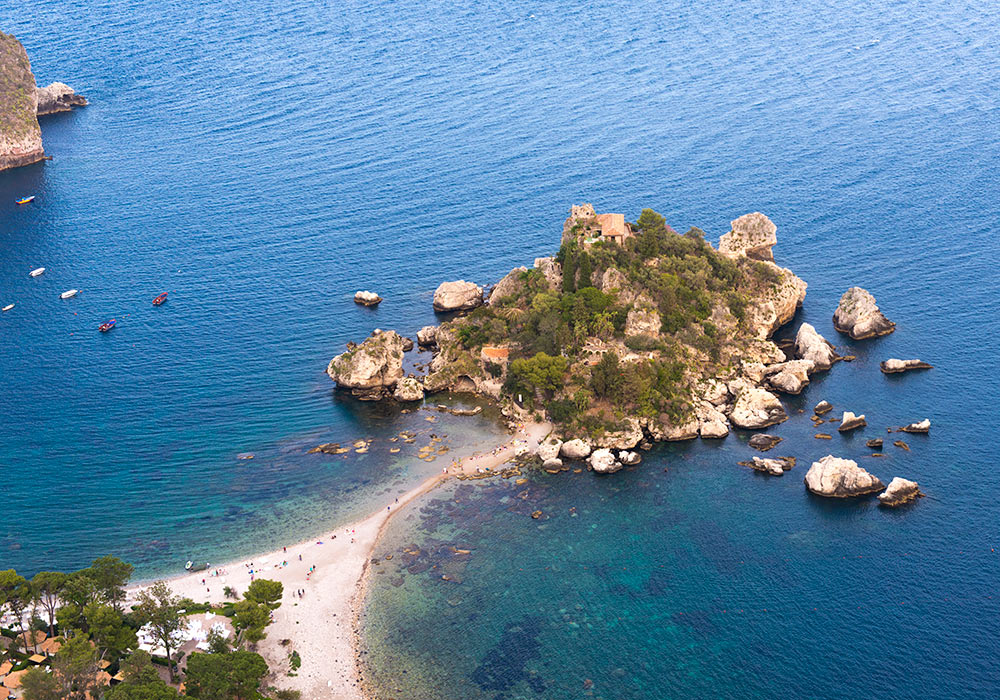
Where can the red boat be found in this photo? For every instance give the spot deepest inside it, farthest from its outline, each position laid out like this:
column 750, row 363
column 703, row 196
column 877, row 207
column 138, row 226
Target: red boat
column 105, row 327
column 160, row 299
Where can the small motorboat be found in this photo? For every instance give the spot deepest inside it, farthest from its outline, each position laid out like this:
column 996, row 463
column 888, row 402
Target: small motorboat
column 160, row 299
column 106, row 326
column 8, row 307
column 36, row 272
column 191, row 566
column 69, row 293
column 25, row 200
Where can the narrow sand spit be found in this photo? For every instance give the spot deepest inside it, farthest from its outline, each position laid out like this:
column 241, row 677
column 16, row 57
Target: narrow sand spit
column 328, row 570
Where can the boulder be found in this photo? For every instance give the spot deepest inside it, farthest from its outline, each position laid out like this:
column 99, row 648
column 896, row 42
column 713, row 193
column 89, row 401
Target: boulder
column 892, row 365
column 629, row 458
column 923, row 426
column 553, row 464
column 713, row 391
column 549, row 449
column 574, row 449
column 898, row 492
column 408, row 389
column 407, row 344
column 874, row 444
column 511, row 284
column 757, row 408
column 810, row 345
column 58, row 97
column 834, row 477
column 763, row 441
column 367, row 298
column 427, row 336
column 789, row 377
column 643, row 321
column 774, row 467
column 849, row 422
column 457, row 296
column 674, row 431
column 823, row 407
column 370, row 369
column 20, row 135
column 858, row 316
column 712, row 423
column 752, row 235
column 603, row 461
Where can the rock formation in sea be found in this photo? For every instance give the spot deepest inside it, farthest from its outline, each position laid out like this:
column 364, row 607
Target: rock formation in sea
column 408, row 389
column 898, row 492
column 458, row 296
column 823, row 407
column 774, row 467
column 575, row 449
column 893, row 365
column 427, row 336
column 602, row 461
column 858, row 316
column 757, row 408
column 849, row 422
column 20, row 135
column 58, row 97
column 763, row 441
column 923, row 426
column 840, row 478
column 752, row 235
column 370, row 370
column 366, row 298
column 811, row 346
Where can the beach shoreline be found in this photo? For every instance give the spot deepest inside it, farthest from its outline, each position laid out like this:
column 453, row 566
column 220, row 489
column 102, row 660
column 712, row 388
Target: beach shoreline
column 331, row 572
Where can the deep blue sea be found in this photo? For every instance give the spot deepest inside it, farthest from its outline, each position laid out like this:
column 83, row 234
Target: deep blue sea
column 261, row 161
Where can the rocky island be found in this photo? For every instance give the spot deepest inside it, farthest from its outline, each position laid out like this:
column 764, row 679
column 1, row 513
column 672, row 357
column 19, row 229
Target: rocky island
column 21, row 102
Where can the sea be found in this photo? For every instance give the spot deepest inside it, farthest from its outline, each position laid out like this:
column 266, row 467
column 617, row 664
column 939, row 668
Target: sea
column 261, row 161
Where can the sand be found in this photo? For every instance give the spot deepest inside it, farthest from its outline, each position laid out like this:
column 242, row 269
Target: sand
column 320, row 624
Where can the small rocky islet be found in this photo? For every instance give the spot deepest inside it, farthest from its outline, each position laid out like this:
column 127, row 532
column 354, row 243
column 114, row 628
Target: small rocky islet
column 632, row 334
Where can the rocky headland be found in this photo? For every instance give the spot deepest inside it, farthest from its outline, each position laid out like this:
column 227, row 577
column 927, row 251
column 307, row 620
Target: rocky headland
column 21, row 102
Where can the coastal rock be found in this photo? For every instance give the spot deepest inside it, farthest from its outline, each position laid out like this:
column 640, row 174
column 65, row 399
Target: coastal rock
column 763, row 441
column 629, row 458
column 874, row 444
column 427, row 336
column 789, row 377
column 366, row 298
column 668, row 429
column 58, row 97
column 774, row 467
column 624, row 439
column 810, row 345
column 613, row 279
column 752, row 235
column 834, row 477
column 823, row 407
column 712, row 423
column 757, row 408
column 923, row 426
column 603, row 461
column 370, row 369
column 858, row 316
column 407, row 344
column 892, row 366
column 457, row 296
column 849, row 422
column 898, row 492
column 511, row 284
column 713, row 391
column 408, row 389
column 549, row 449
column 643, row 321
column 551, row 270
column 777, row 305
column 574, row 449
column 20, row 135
column 553, row 464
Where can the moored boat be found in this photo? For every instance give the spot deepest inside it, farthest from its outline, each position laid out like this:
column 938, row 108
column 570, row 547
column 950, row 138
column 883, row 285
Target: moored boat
column 106, row 326
column 160, row 299
column 8, row 307
column 191, row 566
column 36, row 272
column 69, row 293
column 25, row 200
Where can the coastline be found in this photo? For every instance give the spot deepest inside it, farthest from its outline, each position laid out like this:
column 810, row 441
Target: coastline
column 332, row 571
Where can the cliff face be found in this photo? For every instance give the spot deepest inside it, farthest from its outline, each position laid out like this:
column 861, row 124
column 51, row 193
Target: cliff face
column 20, row 135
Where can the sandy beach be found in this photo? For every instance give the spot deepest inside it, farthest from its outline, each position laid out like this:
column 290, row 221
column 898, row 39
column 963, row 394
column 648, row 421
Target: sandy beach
column 329, row 571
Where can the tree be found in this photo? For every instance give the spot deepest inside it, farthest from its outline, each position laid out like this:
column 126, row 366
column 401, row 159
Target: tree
column 108, row 630
column 159, row 608
column 17, row 594
column 49, row 584
column 606, row 376
column 111, row 574
column 234, row 676
column 585, row 272
column 249, row 620
column 39, row 685
column 265, row 591
column 75, row 665
column 141, row 681
column 543, row 372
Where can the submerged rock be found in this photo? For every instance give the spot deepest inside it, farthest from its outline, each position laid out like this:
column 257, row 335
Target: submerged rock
column 603, row 461
column 407, row 344
column 898, row 492
column 849, row 421
column 369, row 370
column 458, row 296
column 892, row 365
column 58, row 97
column 834, row 477
column 763, row 441
column 858, row 316
column 810, row 345
column 757, row 408
column 366, row 298
column 874, row 444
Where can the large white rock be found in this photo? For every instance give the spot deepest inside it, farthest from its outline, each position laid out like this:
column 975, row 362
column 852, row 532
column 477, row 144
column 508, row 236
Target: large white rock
column 898, row 492
column 376, row 364
column 603, row 461
column 57, row 97
column 810, row 345
column 789, row 377
column 510, row 284
column 757, row 408
column 427, row 336
column 893, row 365
column 712, row 423
column 366, row 298
column 575, row 449
column 457, row 296
column 549, row 449
column 752, row 235
column 858, row 315
column 840, row 478
column 849, row 421
column 408, row 389
column 643, row 321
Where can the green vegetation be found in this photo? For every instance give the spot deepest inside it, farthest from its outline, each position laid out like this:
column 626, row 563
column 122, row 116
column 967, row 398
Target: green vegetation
column 574, row 351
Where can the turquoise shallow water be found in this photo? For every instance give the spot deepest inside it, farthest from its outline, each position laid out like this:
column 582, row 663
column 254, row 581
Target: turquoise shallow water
column 262, row 161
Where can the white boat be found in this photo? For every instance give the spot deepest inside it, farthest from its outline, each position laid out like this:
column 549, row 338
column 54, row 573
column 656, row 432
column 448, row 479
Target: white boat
column 69, row 293
column 8, row 307
column 36, row 272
